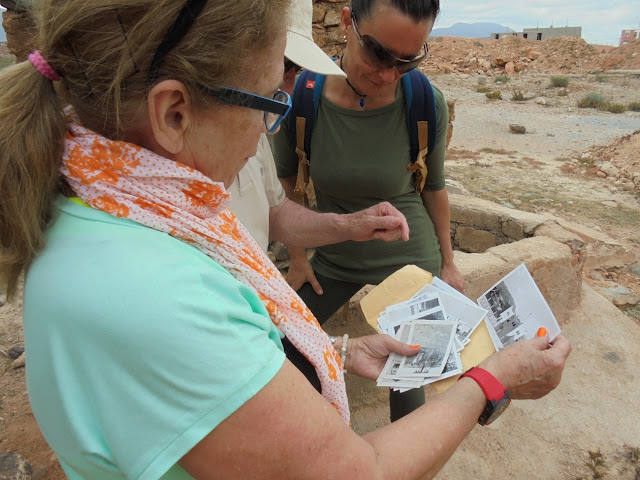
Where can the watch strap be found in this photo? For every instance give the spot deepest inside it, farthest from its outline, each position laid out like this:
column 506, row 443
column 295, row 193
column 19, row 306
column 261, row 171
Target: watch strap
column 492, row 388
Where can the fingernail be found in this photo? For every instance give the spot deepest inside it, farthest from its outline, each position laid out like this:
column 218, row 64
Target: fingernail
column 541, row 332
column 415, row 346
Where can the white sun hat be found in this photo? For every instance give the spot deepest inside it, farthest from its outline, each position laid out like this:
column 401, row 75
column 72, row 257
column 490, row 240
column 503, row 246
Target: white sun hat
column 301, row 49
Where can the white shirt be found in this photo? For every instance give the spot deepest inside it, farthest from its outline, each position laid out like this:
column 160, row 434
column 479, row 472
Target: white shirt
column 255, row 190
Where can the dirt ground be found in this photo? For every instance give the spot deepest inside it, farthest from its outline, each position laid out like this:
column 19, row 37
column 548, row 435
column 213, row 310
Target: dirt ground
column 561, row 165
column 558, row 165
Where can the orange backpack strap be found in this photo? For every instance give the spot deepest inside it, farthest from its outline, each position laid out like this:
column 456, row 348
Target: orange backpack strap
column 300, row 190
column 419, row 167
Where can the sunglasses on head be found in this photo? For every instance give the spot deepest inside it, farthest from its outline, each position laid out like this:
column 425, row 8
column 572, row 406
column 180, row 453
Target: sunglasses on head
column 378, row 56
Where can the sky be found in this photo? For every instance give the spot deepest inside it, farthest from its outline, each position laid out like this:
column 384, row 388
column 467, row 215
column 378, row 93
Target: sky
column 601, row 20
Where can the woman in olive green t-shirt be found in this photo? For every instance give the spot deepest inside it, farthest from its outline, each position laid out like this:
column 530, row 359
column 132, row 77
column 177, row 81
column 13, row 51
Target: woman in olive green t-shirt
column 360, row 148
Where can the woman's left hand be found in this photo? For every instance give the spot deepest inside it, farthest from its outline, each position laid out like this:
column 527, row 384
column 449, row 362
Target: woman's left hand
column 450, row 274
column 367, row 355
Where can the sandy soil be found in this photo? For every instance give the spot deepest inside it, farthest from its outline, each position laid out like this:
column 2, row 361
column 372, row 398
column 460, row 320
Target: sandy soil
column 544, row 170
column 556, row 166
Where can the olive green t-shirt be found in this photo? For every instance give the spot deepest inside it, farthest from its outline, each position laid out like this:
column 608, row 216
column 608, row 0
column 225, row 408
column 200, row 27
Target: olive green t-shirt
column 360, row 158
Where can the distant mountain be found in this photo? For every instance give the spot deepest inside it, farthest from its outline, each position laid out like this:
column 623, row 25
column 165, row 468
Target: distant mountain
column 469, row 30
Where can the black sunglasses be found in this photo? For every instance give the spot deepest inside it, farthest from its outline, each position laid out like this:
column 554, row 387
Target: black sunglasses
column 275, row 109
column 378, row 56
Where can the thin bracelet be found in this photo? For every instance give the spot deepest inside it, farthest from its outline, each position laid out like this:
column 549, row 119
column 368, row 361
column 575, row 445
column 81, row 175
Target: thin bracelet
column 343, row 352
column 343, row 349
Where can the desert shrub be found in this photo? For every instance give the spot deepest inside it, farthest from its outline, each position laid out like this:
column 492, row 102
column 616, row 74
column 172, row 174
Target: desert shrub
column 517, row 96
column 482, row 80
column 563, row 92
column 592, row 100
column 502, row 79
column 634, row 107
column 613, row 107
column 601, row 78
column 495, row 95
column 559, row 81
column 483, row 89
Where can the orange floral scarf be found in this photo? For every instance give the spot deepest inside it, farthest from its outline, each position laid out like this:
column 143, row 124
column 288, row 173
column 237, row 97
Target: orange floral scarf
column 128, row 181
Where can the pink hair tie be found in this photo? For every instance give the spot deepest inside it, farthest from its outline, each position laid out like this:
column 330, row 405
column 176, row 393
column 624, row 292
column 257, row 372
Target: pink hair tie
column 43, row 67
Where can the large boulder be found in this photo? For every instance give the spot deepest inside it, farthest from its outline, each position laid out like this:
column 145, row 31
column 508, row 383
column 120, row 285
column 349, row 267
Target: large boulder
column 548, row 260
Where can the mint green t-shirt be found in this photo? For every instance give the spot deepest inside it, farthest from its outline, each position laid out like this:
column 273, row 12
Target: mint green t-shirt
column 138, row 346
column 358, row 159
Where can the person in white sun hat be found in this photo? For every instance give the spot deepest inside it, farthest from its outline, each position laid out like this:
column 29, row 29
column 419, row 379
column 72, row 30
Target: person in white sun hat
column 257, row 197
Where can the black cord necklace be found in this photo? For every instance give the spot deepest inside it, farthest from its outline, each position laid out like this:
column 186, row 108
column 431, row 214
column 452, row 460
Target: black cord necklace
column 362, row 97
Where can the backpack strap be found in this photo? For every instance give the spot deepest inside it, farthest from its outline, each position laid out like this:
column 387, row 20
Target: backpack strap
column 302, row 180
column 421, row 122
column 419, row 166
column 304, row 110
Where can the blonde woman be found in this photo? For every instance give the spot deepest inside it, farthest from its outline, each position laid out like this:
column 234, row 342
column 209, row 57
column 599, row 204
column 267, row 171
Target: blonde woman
column 152, row 320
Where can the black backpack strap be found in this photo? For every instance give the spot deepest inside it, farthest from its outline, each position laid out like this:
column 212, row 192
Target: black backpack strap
column 421, row 122
column 304, row 109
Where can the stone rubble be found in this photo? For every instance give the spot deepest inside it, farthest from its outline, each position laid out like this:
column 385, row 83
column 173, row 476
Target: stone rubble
column 617, row 162
column 508, row 55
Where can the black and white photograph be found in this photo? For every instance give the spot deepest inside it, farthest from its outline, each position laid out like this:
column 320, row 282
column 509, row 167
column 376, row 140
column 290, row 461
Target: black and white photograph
column 467, row 314
column 389, row 375
column 435, row 339
column 424, row 307
column 411, row 309
column 516, row 309
column 451, row 368
column 383, row 324
column 437, row 314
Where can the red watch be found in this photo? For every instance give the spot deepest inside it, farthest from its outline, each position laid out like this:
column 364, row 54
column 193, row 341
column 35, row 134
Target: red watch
column 498, row 398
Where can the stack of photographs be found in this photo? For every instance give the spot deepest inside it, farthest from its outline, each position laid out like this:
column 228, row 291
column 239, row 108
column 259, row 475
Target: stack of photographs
column 440, row 319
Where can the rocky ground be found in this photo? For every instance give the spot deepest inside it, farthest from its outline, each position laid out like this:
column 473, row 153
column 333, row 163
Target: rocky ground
column 512, row 55
column 580, row 164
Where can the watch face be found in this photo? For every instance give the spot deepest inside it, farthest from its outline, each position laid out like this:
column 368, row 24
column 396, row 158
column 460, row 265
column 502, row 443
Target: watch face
column 494, row 409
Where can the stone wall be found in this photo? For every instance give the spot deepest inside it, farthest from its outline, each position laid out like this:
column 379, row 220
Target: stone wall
column 21, row 32
column 492, row 239
column 478, row 225
column 326, row 25
column 505, row 237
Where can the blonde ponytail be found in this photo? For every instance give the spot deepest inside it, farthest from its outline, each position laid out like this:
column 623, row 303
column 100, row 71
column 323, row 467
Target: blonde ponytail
column 32, row 130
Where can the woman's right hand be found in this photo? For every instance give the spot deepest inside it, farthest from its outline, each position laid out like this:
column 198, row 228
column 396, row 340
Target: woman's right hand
column 301, row 271
column 530, row 369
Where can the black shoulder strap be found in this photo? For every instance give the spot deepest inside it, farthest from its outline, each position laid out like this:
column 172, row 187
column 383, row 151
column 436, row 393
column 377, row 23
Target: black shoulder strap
column 421, row 107
column 306, row 97
column 419, row 96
